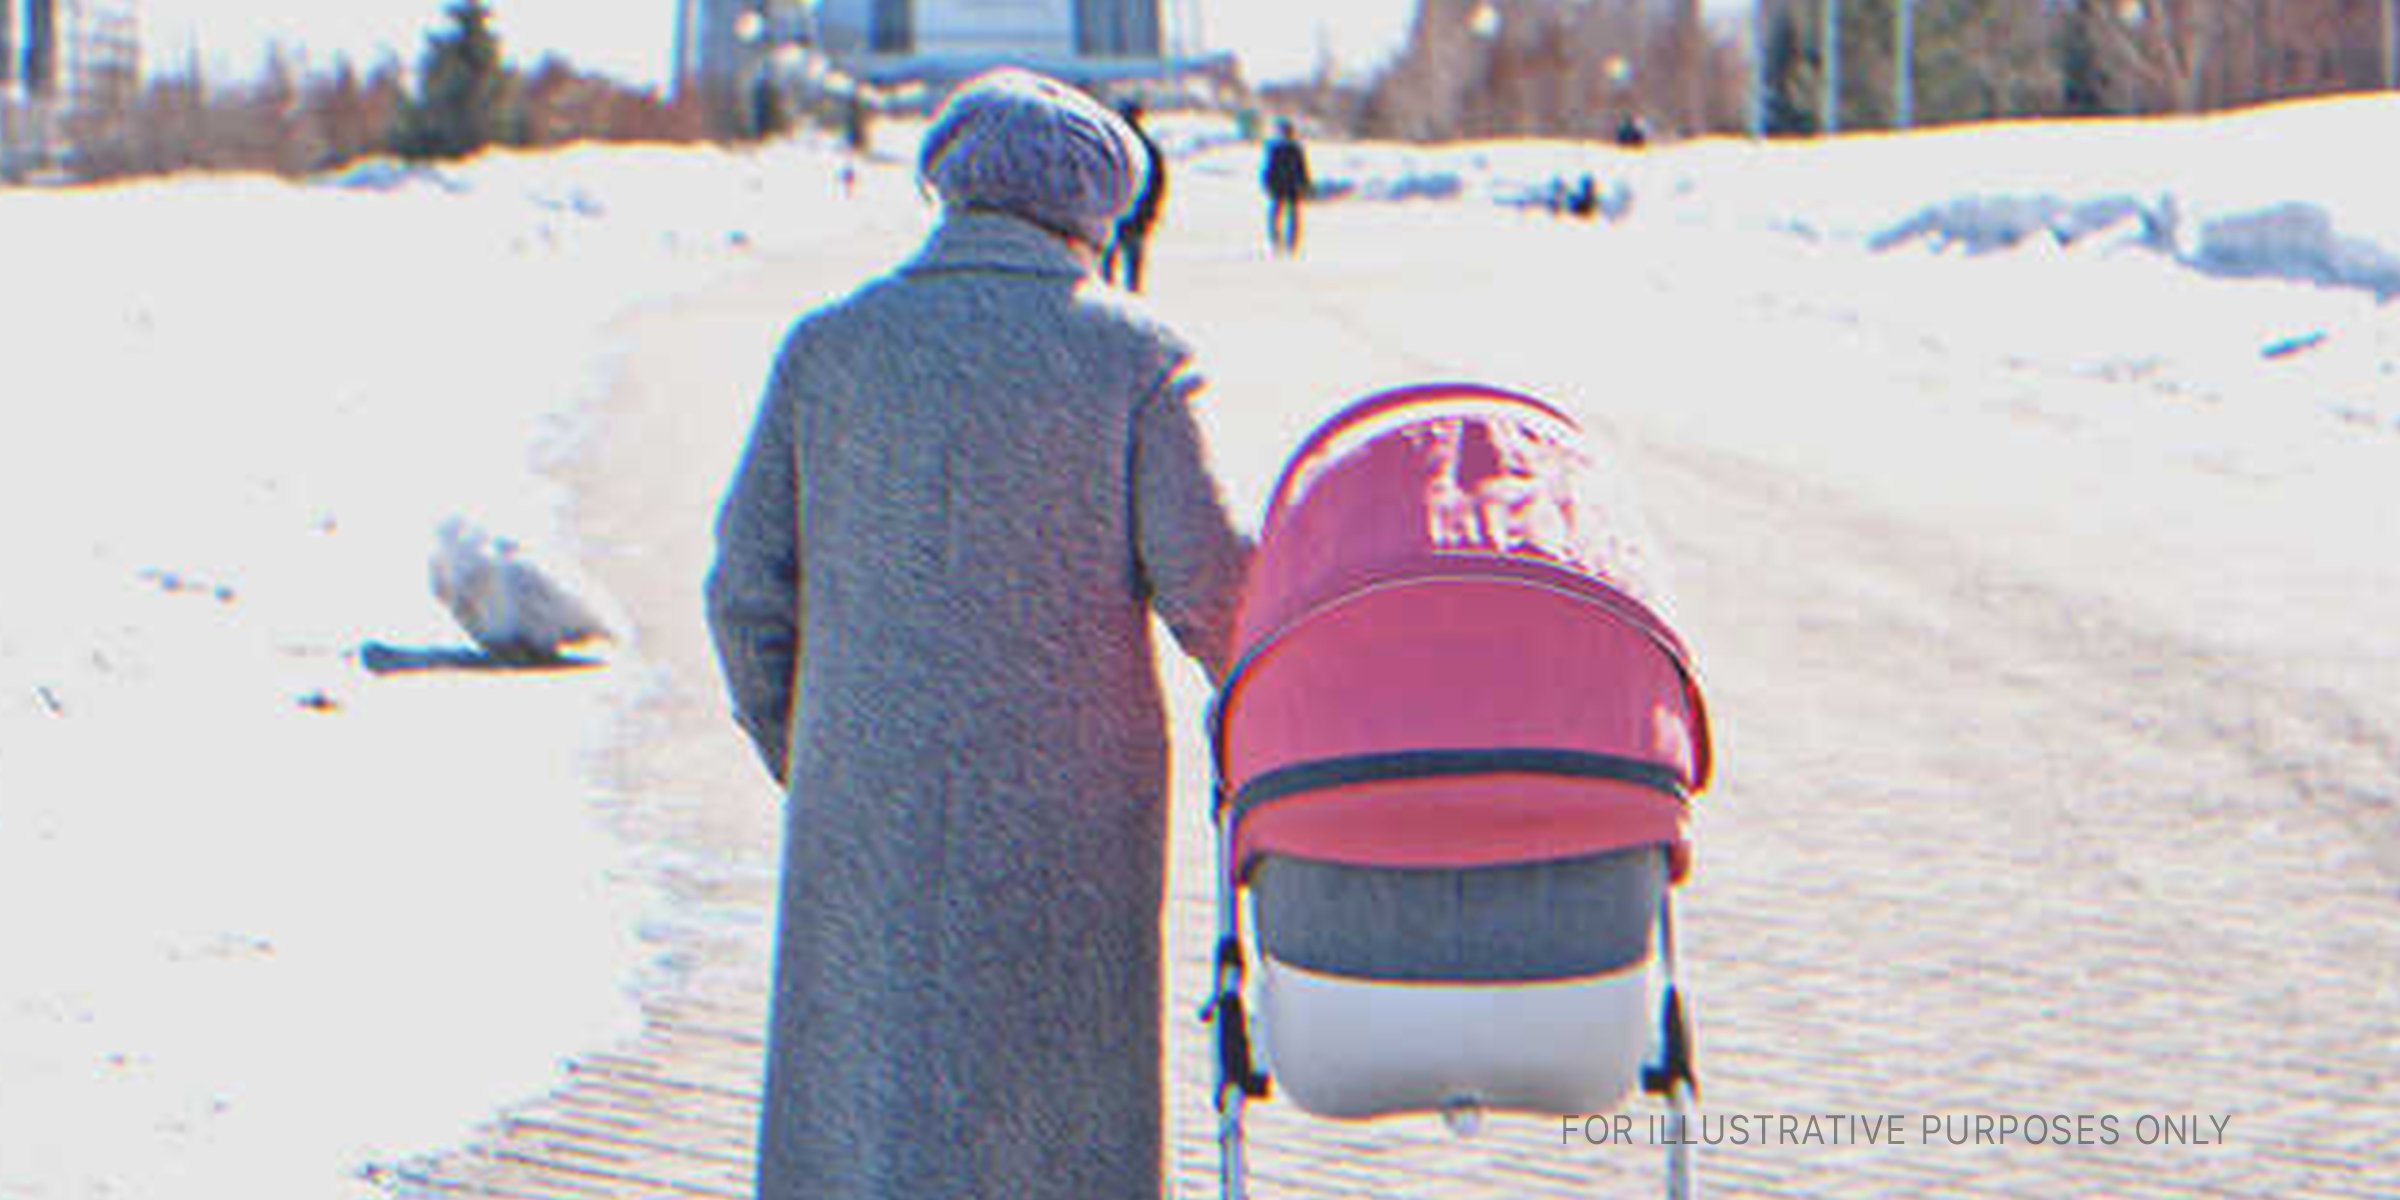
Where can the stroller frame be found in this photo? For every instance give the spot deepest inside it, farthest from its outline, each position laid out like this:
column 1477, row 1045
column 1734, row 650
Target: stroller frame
column 1239, row 1081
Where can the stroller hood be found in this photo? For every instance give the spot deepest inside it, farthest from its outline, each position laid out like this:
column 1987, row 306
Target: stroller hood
column 1454, row 649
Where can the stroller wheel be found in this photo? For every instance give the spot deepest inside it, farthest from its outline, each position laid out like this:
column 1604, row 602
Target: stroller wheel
column 1675, row 1061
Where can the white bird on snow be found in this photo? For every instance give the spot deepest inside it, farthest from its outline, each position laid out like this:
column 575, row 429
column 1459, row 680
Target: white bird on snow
column 514, row 611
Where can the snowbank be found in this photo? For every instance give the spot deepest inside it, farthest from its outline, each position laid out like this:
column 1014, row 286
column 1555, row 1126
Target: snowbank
column 268, row 918
column 1985, row 224
column 2296, row 241
column 2280, row 192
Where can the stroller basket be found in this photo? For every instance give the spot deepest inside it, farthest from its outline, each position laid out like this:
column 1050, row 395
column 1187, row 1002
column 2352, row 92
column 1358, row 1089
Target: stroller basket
column 1454, row 766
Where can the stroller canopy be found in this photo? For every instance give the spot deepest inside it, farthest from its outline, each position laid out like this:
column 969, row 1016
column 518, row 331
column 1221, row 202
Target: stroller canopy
column 1453, row 652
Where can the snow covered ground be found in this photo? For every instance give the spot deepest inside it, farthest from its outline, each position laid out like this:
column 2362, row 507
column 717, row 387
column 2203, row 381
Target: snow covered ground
column 2105, row 221
column 265, row 918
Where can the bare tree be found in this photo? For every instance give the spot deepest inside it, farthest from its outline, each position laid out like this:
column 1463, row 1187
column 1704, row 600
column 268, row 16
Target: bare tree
column 352, row 117
column 1555, row 67
column 558, row 103
column 2166, row 46
column 1688, row 34
column 2005, row 50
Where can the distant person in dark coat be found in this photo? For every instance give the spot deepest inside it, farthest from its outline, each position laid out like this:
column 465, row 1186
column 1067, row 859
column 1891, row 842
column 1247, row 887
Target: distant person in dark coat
column 1585, row 199
column 1285, row 178
column 969, row 486
column 1132, row 241
column 1633, row 132
column 855, row 124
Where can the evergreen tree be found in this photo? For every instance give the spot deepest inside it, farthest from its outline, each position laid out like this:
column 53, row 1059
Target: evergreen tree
column 462, row 90
column 1791, row 78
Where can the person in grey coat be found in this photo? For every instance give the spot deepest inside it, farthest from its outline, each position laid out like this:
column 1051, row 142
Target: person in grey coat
column 968, row 485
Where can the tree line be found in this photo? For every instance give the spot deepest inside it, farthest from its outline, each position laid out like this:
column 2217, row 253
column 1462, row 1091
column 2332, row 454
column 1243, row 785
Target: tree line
column 1469, row 68
column 463, row 98
column 1575, row 68
column 1977, row 60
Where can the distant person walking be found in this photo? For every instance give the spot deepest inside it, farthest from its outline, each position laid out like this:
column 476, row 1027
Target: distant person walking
column 1131, row 244
column 1285, row 178
column 969, row 485
column 856, row 130
column 1585, row 199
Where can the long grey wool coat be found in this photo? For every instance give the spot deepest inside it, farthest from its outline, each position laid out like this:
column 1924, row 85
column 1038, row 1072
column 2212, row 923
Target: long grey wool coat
column 967, row 484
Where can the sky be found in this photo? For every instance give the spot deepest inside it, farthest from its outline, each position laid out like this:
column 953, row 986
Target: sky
column 633, row 39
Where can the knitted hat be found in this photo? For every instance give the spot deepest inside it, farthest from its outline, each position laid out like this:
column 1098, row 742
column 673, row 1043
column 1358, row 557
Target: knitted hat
column 1028, row 145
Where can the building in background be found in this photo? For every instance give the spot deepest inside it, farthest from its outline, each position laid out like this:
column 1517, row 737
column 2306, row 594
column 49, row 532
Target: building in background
column 30, row 40
column 1064, row 35
column 55, row 55
column 726, row 48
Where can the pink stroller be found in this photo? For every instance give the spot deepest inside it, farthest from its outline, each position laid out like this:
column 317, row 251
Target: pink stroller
column 1453, row 768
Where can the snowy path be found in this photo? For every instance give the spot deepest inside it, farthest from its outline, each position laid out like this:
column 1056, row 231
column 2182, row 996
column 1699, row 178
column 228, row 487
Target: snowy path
column 2055, row 722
